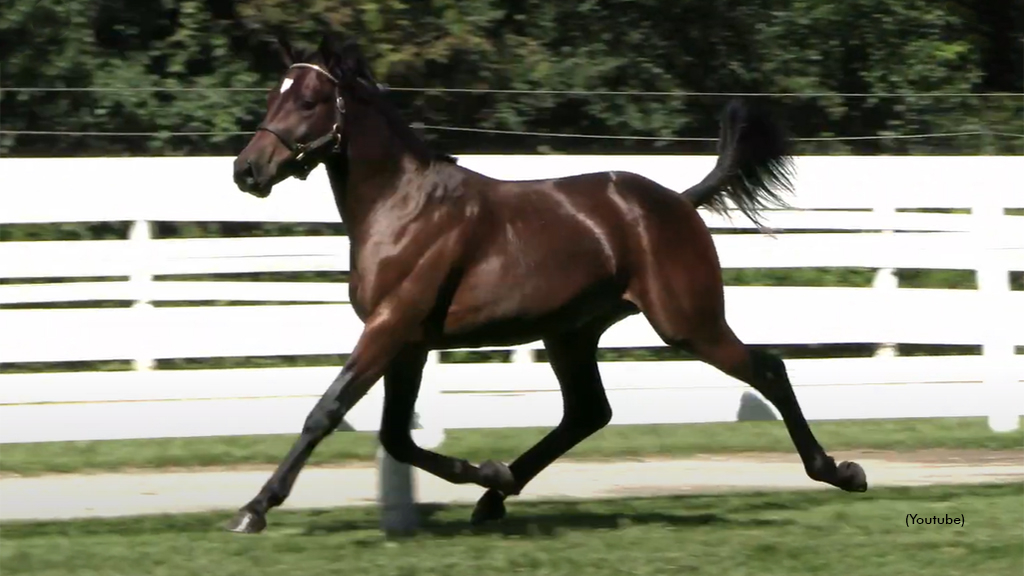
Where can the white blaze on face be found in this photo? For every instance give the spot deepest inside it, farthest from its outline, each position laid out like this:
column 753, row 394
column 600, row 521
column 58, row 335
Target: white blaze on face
column 286, row 84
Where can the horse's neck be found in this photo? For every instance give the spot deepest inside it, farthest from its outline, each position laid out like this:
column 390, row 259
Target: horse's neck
column 337, row 166
column 368, row 170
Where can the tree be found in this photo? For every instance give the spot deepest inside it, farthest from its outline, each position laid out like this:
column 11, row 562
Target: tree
column 170, row 63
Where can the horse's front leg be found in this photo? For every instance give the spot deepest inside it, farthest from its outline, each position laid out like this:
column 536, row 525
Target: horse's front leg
column 401, row 388
column 381, row 339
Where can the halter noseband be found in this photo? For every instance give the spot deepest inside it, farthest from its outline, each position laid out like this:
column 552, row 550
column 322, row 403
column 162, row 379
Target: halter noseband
column 301, row 152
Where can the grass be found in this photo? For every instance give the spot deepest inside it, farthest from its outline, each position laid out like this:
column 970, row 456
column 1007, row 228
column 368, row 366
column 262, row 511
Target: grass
column 505, row 444
column 780, row 533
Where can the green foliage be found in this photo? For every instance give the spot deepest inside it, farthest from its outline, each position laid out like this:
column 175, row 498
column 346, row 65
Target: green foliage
column 732, row 533
column 171, row 61
column 845, row 277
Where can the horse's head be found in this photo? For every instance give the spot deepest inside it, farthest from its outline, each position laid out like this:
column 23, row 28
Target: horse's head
column 305, row 118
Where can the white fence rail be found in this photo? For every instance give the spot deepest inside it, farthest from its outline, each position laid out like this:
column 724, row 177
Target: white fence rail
column 834, row 194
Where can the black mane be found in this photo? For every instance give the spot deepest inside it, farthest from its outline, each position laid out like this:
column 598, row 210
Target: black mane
column 369, row 91
column 401, row 128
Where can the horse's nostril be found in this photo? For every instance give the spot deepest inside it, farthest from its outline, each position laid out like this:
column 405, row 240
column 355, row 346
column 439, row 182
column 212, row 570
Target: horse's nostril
column 246, row 175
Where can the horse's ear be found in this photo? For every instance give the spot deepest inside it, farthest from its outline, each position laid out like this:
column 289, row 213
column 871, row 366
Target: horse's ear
column 331, row 52
column 274, row 36
column 359, row 66
column 284, row 48
column 345, row 58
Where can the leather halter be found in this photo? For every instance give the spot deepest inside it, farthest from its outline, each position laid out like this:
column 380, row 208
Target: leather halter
column 302, row 154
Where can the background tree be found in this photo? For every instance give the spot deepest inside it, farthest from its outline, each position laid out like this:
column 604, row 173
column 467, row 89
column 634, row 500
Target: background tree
column 162, row 66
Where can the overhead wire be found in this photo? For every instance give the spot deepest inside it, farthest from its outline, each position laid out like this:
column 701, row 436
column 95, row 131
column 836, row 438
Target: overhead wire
column 214, row 133
column 529, row 91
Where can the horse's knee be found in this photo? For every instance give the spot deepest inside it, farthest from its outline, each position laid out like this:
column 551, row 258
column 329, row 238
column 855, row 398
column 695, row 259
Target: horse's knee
column 591, row 418
column 601, row 416
column 398, row 443
column 341, row 395
column 323, row 419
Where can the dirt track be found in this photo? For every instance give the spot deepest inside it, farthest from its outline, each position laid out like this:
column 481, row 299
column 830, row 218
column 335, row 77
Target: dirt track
column 127, row 494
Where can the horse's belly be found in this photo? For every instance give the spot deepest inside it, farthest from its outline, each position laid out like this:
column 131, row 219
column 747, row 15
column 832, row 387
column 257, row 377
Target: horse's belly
column 509, row 319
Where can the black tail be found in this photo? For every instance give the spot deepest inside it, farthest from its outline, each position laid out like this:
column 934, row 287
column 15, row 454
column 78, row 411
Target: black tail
column 754, row 165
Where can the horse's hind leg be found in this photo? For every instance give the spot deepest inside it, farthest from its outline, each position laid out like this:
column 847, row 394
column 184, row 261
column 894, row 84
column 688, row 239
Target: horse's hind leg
column 766, row 372
column 678, row 287
column 586, row 410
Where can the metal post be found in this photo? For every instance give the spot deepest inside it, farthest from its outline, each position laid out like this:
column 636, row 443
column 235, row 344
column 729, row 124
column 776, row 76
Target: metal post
column 396, row 484
column 396, row 496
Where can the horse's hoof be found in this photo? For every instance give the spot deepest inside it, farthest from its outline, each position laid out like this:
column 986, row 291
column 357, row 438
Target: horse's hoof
column 850, row 476
column 490, row 507
column 247, row 522
column 497, row 476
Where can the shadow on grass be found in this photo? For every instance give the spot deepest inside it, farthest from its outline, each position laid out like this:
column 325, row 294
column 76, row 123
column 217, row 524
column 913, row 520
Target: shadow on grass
column 545, row 519
column 526, row 519
column 534, row 523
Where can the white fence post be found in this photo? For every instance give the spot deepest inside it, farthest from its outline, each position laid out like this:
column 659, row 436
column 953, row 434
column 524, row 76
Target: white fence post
column 522, row 355
column 886, row 279
column 396, row 492
column 140, row 280
column 1000, row 381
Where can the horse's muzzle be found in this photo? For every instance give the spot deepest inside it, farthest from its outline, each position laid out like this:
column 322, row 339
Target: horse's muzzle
column 247, row 181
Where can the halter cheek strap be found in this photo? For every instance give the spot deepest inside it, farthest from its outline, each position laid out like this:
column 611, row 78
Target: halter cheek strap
column 301, row 153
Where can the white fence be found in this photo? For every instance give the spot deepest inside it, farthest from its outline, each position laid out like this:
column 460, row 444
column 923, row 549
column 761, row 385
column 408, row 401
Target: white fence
column 834, row 194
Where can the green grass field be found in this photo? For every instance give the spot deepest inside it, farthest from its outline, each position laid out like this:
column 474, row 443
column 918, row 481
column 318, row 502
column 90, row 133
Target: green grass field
column 783, row 533
column 506, row 444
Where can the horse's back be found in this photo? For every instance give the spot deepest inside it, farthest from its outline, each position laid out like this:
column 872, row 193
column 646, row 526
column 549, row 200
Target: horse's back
column 598, row 223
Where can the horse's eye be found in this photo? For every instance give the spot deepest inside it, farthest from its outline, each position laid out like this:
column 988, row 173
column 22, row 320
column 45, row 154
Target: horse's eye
column 308, row 104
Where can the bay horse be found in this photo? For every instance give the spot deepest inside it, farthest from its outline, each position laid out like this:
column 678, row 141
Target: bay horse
column 443, row 257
